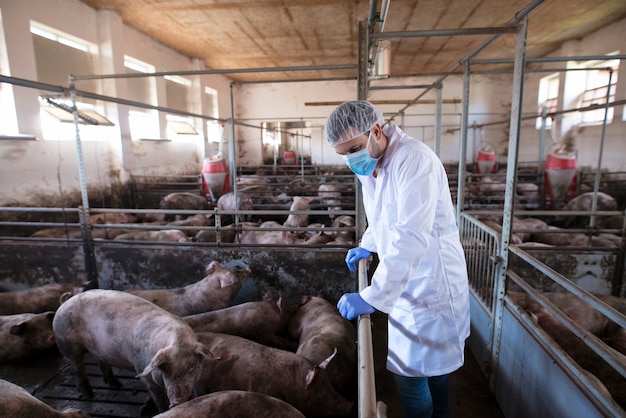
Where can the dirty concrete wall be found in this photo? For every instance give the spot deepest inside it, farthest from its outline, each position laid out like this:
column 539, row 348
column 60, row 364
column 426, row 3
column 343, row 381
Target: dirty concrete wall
column 296, row 271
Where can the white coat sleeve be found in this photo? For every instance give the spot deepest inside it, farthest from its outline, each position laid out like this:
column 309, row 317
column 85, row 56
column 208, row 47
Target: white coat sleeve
column 416, row 180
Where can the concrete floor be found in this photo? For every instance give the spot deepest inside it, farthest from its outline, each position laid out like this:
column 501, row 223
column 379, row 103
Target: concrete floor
column 469, row 390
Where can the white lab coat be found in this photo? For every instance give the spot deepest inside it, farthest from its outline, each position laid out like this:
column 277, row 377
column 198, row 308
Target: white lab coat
column 421, row 279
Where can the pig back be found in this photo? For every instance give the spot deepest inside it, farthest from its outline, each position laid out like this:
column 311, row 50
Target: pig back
column 122, row 329
column 241, row 364
column 320, row 329
column 233, row 403
column 34, row 300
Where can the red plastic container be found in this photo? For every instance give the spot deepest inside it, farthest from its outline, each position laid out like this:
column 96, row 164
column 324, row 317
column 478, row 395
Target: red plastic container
column 215, row 178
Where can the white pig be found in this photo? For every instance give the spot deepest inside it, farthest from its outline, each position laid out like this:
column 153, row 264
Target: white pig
column 125, row 331
column 300, row 203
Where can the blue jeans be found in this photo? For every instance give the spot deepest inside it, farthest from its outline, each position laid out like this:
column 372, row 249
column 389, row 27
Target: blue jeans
column 424, row 397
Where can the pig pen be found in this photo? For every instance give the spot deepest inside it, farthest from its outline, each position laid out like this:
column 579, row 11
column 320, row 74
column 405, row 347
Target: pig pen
column 296, row 270
column 529, row 373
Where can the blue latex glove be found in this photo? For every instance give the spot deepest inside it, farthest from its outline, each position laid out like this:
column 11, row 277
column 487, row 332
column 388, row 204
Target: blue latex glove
column 352, row 305
column 354, row 255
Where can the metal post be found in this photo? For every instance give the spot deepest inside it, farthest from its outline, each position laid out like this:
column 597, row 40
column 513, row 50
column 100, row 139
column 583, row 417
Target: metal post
column 90, row 258
column 596, row 183
column 509, row 197
column 463, row 143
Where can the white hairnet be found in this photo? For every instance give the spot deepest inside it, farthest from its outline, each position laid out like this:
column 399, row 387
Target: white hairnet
column 351, row 119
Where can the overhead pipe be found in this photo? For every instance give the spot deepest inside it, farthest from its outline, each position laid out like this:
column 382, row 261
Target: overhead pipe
column 228, row 71
column 519, row 16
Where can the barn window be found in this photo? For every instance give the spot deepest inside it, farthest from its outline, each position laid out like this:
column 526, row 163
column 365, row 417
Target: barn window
column 143, row 124
column 177, row 93
column 548, row 96
column 58, row 54
column 139, row 89
column 596, row 88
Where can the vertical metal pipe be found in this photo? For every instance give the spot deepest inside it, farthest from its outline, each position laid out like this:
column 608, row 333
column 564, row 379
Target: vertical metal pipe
column 90, row 258
column 596, row 183
column 231, row 152
column 542, row 152
column 509, row 197
column 463, row 142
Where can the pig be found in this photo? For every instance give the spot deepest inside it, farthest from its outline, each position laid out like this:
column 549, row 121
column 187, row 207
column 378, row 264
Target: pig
column 320, row 238
column 264, row 237
column 582, row 354
column 241, row 364
column 25, row 334
column 40, row 298
column 195, row 220
column 515, row 239
column 330, row 195
column 227, row 202
column 300, row 203
column 183, row 201
column 264, row 321
column 553, row 235
column 343, row 221
column 16, row 402
column 112, row 218
column 583, row 202
column 216, row 290
column 527, row 223
column 126, row 331
column 165, row 235
column 301, row 187
column 320, row 329
column 233, row 403
column 226, row 234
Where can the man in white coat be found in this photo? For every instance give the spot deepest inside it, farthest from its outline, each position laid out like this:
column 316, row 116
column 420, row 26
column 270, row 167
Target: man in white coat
column 421, row 279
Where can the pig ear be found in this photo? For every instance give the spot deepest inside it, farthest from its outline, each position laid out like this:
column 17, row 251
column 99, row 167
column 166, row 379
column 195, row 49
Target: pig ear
column 50, row 316
column 158, row 359
column 324, row 363
column 210, row 269
column 311, row 375
column 204, row 351
column 19, row 329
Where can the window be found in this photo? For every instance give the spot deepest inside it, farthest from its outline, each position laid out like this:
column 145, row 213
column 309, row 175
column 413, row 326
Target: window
column 596, row 87
column 58, row 55
column 211, row 102
column 177, row 90
column 215, row 131
column 139, row 89
column 548, row 96
column 143, row 124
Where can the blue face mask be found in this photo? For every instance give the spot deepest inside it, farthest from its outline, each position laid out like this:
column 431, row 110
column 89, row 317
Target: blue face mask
column 360, row 162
